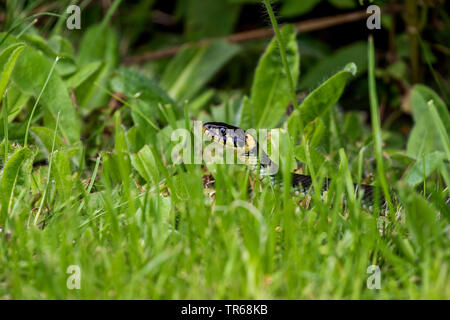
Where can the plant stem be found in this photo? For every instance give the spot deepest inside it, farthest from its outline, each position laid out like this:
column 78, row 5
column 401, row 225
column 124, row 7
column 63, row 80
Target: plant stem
column 282, row 47
column 26, row 28
column 376, row 125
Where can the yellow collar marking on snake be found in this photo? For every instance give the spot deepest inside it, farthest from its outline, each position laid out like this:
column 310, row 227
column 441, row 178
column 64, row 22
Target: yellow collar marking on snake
column 244, row 144
column 230, row 136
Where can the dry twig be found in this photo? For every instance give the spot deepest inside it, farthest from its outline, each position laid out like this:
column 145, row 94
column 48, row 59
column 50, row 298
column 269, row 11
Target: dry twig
column 304, row 26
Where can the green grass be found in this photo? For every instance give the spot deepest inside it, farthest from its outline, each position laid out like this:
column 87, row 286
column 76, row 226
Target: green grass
column 140, row 227
column 131, row 243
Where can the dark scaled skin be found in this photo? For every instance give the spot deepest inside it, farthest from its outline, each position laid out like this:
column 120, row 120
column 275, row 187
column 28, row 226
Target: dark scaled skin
column 245, row 144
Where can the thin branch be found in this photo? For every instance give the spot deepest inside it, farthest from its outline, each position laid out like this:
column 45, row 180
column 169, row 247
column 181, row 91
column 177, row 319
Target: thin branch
column 163, row 18
column 304, row 26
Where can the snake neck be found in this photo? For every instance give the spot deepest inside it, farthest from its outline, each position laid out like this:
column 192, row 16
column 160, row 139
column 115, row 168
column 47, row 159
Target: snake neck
column 263, row 163
column 268, row 167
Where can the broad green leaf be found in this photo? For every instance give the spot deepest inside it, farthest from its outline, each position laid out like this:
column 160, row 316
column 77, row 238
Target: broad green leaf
column 144, row 163
column 55, row 46
column 424, row 167
column 423, row 139
column 315, row 131
column 325, row 96
column 38, row 43
column 61, row 45
column 420, row 95
column 425, row 136
column 83, row 74
column 193, row 67
column 145, row 95
column 99, row 43
column 356, row 53
column 45, row 136
column 137, row 85
column 445, row 140
column 16, row 173
column 317, row 159
column 16, row 102
column 270, row 90
column 293, row 8
column 421, row 218
column 8, row 59
column 146, row 112
column 30, row 74
column 62, row 174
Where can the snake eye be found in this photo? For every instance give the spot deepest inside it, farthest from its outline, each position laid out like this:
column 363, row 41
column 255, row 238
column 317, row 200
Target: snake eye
column 222, row 131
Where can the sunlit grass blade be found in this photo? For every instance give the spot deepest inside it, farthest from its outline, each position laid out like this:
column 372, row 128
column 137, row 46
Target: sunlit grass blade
column 27, row 27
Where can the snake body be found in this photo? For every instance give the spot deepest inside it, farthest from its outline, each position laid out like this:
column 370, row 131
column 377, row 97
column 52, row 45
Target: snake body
column 248, row 149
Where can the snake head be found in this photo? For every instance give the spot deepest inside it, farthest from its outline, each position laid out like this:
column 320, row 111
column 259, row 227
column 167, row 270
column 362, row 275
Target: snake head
column 240, row 141
column 229, row 136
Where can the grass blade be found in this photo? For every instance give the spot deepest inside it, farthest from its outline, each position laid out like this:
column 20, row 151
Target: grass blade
column 376, row 125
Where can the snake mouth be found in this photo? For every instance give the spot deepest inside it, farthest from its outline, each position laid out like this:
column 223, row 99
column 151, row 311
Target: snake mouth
column 229, row 136
column 210, row 130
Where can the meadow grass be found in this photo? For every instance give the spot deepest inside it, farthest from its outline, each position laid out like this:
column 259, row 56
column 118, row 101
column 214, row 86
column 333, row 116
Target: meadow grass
column 136, row 242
